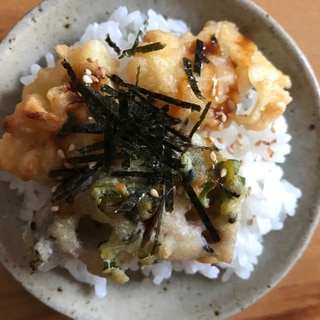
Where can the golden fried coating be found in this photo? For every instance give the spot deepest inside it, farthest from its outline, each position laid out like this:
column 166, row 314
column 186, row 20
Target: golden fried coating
column 236, row 66
column 29, row 146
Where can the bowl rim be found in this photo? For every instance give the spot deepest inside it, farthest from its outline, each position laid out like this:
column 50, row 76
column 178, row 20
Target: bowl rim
column 307, row 70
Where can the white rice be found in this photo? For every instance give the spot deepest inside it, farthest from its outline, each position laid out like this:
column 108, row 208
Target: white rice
column 271, row 198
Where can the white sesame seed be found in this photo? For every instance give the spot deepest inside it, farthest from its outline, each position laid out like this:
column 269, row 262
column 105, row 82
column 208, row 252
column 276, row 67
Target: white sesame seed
column 88, row 72
column 239, row 135
column 223, row 117
column 102, row 72
column 94, row 79
column 54, row 188
column 266, row 143
column 220, row 140
column 213, row 156
column 239, row 142
column 223, row 172
column 250, row 222
column 231, row 105
column 273, row 129
column 55, row 208
column 154, row 193
column 258, row 143
column 249, row 191
column 71, row 147
column 68, row 165
column 180, row 190
column 274, row 141
column 249, row 95
column 90, row 119
column 270, row 152
column 90, row 60
column 87, row 79
column 91, row 164
column 231, row 148
column 61, row 154
column 174, row 190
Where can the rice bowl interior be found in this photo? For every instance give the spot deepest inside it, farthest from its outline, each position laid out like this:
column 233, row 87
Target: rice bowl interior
column 212, row 294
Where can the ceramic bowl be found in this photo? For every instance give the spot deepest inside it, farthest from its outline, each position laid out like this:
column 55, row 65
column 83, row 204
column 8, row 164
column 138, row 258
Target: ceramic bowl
column 183, row 297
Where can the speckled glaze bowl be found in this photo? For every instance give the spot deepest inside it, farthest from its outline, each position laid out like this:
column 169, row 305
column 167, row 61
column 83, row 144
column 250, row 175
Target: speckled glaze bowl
column 183, row 297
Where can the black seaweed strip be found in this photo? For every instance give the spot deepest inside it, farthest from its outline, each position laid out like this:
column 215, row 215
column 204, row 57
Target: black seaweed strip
column 95, row 101
column 168, row 142
column 86, row 158
column 138, row 38
column 70, row 122
column 109, row 146
column 92, row 147
column 107, row 89
column 73, row 184
column 93, row 128
column 137, row 174
column 202, row 116
column 197, row 57
column 200, row 209
column 184, row 104
column 187, row 66
column 142, row 49
column 229, row 191
column 166, row 166
column 113, row 45
column 169, row 194
column 64, row 172
column 158, row 226
column 133, row 200
column 140, row 33
column 214, row 40
column 149, row 160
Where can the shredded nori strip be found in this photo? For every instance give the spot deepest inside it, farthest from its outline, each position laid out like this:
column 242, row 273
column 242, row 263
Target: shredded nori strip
column 229, row 191
column 92, row 128
column 214, row 40
column 87, row 158
column 92, row 147
column 200, row 209
column 134, row 126
column 199, row 57
column 154, row 95
column 135, row 47
column 69, row 124
column 142, row 49
column 65, row 173
column 187, row 66
column 72, row 185
column 198, row 123
column 113, row 45
column 208, row 248
column 140, row 174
